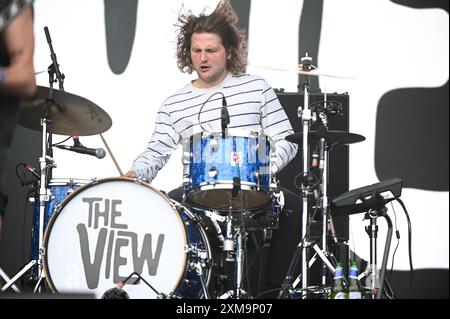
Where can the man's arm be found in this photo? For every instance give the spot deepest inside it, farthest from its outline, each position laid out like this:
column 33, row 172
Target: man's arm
column 18, row 77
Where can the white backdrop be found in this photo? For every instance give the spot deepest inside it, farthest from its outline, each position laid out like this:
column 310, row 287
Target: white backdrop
column 377, row 42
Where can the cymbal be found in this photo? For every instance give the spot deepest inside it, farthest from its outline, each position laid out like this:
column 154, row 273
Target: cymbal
column 70, row 114
column 313, row 72
column 332, row 137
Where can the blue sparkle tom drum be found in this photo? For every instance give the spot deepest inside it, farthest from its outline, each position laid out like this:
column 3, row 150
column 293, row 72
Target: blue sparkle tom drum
column 227, row 171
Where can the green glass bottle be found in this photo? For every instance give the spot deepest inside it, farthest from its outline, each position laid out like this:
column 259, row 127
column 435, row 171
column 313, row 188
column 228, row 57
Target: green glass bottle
column 354, row 288
column 338, row 290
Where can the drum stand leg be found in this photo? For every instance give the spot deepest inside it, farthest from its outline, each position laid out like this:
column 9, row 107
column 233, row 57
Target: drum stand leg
column 234, row 243
column 377, row 282
column 239, row 264
column 199, row 271
column 8, row 280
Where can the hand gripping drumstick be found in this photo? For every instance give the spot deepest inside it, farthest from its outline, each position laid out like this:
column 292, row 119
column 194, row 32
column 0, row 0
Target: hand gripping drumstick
column 111, row 154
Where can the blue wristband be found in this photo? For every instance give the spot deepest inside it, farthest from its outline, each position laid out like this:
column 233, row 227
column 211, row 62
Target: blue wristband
column 2, row 75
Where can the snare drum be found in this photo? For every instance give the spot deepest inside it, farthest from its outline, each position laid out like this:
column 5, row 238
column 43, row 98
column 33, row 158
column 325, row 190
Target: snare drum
column 113, row 227
column 228, row 171
column 59, row 189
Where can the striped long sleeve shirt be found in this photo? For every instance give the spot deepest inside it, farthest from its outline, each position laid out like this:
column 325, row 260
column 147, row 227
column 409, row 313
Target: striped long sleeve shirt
column 252, row 106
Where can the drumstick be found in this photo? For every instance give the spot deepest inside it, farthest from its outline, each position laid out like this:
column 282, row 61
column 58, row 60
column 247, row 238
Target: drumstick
column 111, row 154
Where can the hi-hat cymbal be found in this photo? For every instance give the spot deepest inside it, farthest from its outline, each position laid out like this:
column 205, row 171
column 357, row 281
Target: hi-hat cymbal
column 331, row 137
column 313, row 72
column 70, row 114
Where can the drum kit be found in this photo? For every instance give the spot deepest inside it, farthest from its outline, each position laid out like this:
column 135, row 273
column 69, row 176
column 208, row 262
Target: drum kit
column 89, row 235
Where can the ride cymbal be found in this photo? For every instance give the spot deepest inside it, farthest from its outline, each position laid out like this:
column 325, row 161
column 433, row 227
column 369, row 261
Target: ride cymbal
column 313, row 72
column 70, row 114
column 331, row 137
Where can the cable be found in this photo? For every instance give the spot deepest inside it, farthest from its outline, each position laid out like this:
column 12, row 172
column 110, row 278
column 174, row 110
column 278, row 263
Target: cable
column 413, row 284
column 23, row 178
column 62, row 141
column 397, row 234
column 201, row 108
column 113, row 294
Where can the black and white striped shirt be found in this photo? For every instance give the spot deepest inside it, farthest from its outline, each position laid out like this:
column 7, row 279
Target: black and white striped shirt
column 252, row 105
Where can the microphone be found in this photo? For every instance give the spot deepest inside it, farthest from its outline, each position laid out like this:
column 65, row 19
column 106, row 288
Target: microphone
column 116, row 293
column 224, row 116
column 322, row 154
column 97, row 152
column 332, row 229
column 315, row 159
column 47, row 35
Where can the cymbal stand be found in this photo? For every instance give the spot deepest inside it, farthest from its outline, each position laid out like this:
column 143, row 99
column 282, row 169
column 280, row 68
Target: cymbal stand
column 322, row 252
column 306, row 116
column 323, row 166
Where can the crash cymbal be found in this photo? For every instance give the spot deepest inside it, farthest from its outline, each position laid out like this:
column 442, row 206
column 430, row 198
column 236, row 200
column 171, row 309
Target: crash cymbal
column 332, row 137
column 70, row 114
column 313, row 72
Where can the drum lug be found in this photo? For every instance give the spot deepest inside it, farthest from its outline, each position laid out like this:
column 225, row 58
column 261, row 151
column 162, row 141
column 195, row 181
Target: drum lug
column 187, row 249
column 212, row 172
column 213, row 144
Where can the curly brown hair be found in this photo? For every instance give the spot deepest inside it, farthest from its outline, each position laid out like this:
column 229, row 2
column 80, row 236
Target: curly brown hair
column 223, row 22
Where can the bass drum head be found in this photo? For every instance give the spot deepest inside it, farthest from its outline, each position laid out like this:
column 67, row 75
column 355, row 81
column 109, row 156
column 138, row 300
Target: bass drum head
column 110, row 228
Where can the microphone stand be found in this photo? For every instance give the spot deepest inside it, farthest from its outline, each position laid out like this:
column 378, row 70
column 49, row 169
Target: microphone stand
column 46, row 122
column 54, row 67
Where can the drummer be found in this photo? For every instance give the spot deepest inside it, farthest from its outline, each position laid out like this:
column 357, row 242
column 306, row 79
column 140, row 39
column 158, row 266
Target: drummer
column 16, row 79
column 216, row 49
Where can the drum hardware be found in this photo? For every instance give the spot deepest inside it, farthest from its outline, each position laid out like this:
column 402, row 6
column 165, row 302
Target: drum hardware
column 305, row 68
column 371, row 200
column 313, row 185
column 198, row 266
column 44, row 197
column 234, row 247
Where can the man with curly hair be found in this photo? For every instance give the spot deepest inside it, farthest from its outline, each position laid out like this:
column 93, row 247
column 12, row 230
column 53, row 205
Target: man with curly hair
column 216, row 49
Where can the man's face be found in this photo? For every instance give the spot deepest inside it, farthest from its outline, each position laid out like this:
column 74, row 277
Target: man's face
column 209, row 59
